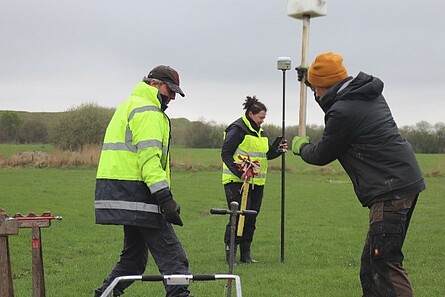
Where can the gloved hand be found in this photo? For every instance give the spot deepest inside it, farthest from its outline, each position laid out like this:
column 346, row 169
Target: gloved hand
column 298, row 142
column 283, row 146
column 171, row 210
column 302, row 74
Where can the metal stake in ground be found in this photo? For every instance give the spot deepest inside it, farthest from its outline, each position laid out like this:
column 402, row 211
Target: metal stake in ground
column 304, row 10
column 233, row 214
column 283, row 64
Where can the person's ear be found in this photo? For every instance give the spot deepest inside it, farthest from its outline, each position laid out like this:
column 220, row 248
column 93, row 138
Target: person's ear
column 155, row 83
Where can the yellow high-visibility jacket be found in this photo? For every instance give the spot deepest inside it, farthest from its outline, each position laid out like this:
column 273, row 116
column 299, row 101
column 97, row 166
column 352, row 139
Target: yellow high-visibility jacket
column 134, row 161
column 256, row 145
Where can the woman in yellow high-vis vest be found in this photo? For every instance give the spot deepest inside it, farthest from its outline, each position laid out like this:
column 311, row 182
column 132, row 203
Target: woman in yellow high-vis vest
column 245, row 138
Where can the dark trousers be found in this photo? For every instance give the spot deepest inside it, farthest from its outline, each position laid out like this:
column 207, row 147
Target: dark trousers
column 166, row 250
column 381, row 272
column 233, row 193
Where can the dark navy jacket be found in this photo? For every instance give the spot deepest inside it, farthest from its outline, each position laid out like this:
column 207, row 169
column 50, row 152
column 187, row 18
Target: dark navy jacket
column 361, row 133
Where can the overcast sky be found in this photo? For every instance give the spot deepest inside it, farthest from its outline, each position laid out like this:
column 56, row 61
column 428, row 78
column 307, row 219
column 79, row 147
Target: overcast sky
column 55, row 55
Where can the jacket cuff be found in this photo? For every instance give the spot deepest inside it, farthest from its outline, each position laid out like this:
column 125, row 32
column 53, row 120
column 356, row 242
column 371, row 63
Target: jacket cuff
column 163, row 195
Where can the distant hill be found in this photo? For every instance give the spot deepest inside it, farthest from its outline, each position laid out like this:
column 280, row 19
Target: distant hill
column 43, row 116
column 180, row 124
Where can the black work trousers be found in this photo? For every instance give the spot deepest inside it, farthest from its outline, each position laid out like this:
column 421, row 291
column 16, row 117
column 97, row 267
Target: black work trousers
column 233, row 193
column 381, row 271
column 166, row 250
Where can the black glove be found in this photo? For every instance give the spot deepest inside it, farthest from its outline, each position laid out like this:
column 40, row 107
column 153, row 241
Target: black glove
column 169, row 208
column 302, row 74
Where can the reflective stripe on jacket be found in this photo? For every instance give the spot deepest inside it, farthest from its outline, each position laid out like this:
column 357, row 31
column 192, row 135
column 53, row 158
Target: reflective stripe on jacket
column 134, row 161
column 255, row 145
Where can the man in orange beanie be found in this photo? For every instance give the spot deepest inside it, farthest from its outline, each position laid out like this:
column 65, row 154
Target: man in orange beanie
column 362, row 135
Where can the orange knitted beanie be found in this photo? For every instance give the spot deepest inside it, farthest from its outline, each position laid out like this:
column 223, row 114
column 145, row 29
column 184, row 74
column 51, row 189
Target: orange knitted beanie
column 327, row 70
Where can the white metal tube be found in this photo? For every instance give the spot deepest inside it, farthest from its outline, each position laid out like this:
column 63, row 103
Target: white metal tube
column 180, row 278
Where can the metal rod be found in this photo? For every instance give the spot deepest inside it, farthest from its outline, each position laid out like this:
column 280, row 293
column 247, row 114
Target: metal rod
column 175, row 278
column 283, row 166
column 233, row 214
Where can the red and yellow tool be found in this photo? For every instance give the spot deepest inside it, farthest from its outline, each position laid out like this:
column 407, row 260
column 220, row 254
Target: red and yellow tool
column 250, row 169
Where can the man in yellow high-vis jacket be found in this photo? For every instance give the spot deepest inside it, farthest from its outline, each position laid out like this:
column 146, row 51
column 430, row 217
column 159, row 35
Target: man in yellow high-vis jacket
column 133, row 182
column 245, row 138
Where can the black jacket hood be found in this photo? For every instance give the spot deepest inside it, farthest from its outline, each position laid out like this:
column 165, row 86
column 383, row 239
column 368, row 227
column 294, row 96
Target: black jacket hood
column 363, row 87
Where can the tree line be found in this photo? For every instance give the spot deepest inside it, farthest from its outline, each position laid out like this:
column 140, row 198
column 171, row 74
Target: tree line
column 86, row 125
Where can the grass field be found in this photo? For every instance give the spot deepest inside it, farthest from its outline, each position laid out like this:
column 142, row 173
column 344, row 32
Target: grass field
column 7, row 150
column 325, row 229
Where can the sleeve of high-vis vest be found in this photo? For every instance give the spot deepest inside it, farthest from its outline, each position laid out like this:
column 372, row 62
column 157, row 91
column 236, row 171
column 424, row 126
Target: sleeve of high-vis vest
column 150, row 131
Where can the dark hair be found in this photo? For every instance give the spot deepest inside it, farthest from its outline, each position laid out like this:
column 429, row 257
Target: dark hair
column 252, row 104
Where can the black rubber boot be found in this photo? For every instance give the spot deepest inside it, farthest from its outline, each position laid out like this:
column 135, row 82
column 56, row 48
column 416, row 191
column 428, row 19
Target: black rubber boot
column 245, row 253
column 227, row 248
column 98, row 292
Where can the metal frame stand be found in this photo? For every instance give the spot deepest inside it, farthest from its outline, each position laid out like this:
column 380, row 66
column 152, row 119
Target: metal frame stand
column 185, row 279
column 174, row 280
column 233, row 212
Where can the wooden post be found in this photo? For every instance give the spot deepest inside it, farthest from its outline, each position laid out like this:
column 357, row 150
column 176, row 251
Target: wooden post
column 7, row 227
column 6, row 286
column 38, row 277
column 11, row 226
column 303, row 89
column 35, row 223
column 305, row 10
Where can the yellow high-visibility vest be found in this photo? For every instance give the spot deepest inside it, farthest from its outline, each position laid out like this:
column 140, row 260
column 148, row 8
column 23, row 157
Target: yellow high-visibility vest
column 256, row 146
column 134, row 162
column 136, row 142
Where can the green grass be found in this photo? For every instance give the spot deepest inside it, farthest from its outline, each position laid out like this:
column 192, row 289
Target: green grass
column 325, row 229
column 197, row 159
column 7, row 150
column 192, row 160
